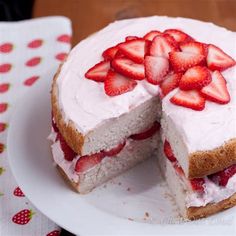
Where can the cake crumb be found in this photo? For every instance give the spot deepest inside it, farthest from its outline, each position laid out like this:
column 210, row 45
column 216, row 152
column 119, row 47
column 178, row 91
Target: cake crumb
column 128, row 189
column 104, row 186
column 146, row 214
column 130, row 219
column 119, row 183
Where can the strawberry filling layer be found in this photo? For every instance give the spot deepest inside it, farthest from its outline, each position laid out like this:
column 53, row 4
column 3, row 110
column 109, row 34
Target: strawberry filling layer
column 200, row 191
column 86, row 162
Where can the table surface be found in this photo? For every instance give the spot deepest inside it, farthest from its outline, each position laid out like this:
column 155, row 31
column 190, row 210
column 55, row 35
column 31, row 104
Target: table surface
column 89, row 16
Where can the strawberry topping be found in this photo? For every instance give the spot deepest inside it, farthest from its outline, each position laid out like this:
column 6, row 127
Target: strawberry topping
column 147, row 133
column 195, row 78
column 170, row 82
column 151, row 35
column 161, row 47
column 190, row 99
column 116, row 84
column 217, row 59
column 129, row 68
column 194, row 47
column 110, row 53
column 178, row 35
column 156, row 68
column 98, row 72
column 217, row 90
column 128, row 38
column 181, row 61
column 197, row 184
column 134, row 49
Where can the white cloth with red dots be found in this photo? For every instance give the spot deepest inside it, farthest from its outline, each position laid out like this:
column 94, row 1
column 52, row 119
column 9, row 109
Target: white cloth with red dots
column 28, row 49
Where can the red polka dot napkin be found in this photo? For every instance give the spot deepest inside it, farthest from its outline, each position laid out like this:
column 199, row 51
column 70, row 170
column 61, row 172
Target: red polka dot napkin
column 28, row 49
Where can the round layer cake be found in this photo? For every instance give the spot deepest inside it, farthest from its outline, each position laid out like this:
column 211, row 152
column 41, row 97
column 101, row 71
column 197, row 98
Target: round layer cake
column 115, row 87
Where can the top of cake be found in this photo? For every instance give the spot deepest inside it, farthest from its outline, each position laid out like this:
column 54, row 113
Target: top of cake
column 85, row 103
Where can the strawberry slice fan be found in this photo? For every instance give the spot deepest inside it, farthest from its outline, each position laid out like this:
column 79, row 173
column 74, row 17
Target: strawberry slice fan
column 172, row 60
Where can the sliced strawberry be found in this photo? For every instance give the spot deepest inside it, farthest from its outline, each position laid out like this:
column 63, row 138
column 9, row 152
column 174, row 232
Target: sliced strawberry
column 181, row 61
column 98, row 72
column 161, row 47
column 170, row 82
column 119, row 54
column 134, row 49
column 156, row 68
column 128, row 38
column 116, row 84
column 178, row 35
column 87, row 162
column 217, row 59
column 197, row 184
column 222, row 177
column 178, row 168
column 190, row 99
column 109, row 54
column 114, row 151
column 217, row 90
column 129, row 68
column 168, row 151
column 151, row 35
column 194, row 47
column 195, row 78
column 69, row 154
column 147, row 133
column 171, row 40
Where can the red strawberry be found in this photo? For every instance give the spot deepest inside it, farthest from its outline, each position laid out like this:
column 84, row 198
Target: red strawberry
column 64, row 38
column 18, row 193
column 151, row 35
column 33, row 61
column 197, row 184
column 4, row 87
column 54, row 126
column 89, row 161
column 54, row 233
column 30, row 81
column 171, row 40
column 114, row 151
column 128, row 38
column 3, row 107
column 134, row 49
column 170, row 82
column 222, row 177
column 217, row 59
column 168, row 151
column 178, row 35
column 6, row 47
column 119, row 54
column 194, row 47
column 3, row 126
column 23, row 217
column 181, row 61
column 178, row 169
column 2, row 147
column 129, row 68
column 195, row 78
column 35, row 43
column 156, row 68
column 4, row 68
column 217, row 90
column 109, row 54
column 147, row 133
column 161, row 47
column 190, row 99
column 69, row 154
column 117, row 84
column 61, row 56
column 98, row 72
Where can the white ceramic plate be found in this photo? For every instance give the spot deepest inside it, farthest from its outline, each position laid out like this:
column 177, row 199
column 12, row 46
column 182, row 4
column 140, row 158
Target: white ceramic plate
column 136, row 203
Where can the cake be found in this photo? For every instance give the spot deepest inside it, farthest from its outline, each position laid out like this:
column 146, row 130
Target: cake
column 153, row 86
